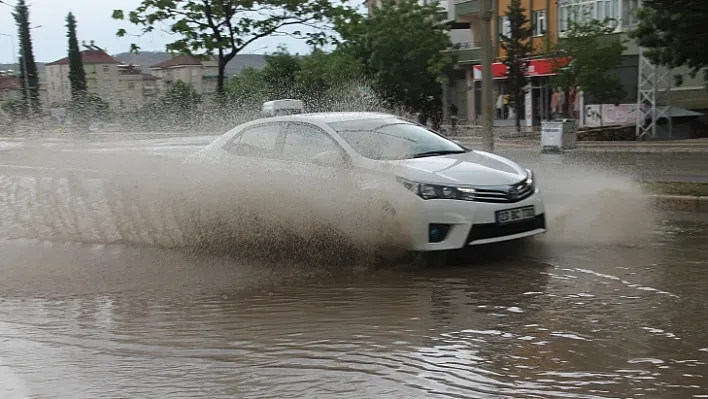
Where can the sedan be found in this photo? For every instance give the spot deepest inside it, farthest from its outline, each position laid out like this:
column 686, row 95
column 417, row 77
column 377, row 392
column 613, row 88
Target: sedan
column 456, row 196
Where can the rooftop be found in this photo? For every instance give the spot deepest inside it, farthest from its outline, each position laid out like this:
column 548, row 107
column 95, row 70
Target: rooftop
column 180, row 60
column 93, row 56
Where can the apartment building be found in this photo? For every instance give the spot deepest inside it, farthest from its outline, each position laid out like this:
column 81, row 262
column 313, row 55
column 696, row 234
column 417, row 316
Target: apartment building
column 199, row 73
column 123, row 86
column 549, row 20
column 11, row 87
column 136, row 89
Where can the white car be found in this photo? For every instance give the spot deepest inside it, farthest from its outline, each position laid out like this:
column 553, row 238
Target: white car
column 459, row 196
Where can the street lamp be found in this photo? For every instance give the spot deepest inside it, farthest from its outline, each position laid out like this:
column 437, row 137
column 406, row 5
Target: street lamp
column 12, row 43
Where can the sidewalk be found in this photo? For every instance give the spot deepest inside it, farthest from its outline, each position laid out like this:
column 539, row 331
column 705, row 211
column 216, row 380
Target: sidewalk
column 677, row 146
column 680, row 203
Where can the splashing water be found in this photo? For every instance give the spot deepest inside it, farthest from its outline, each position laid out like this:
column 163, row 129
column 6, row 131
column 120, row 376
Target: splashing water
column 201, row 207
column 592, row 206
column 216, row 209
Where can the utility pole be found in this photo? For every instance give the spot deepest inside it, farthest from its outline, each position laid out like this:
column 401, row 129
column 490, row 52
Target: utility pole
column 14, row 52
column 487, row 97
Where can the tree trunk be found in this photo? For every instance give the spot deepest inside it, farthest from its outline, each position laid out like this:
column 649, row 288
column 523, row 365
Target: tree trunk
column 221, row 77
column 518, row 114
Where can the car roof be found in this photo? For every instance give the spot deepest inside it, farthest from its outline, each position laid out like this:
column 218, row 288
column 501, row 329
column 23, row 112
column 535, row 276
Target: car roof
column 329, row 117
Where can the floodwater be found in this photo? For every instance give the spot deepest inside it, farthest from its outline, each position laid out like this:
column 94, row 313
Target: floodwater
column 101, row 300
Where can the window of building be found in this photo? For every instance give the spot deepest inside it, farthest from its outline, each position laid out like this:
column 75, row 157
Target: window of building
column 131, row 85
column 538, row 22
column 585, row 10
column 629, row 7
column 504, row 26
column 106, row 69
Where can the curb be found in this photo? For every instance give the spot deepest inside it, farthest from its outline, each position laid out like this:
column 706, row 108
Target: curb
column 687, row 203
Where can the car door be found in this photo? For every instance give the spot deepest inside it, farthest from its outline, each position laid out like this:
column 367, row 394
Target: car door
column 303, row 141
column 256, row 151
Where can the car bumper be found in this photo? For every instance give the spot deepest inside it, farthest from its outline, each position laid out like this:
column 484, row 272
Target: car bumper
column 472, row 223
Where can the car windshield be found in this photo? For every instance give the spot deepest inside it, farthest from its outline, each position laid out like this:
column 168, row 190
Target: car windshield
column 391, row 138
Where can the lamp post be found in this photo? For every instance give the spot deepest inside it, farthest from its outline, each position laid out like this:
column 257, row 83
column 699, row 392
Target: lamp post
column 12, row 43
column 487, row 97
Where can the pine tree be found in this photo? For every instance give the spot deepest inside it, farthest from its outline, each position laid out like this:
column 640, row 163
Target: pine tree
column 77, row 75
column 29, row 76
column 518, row 48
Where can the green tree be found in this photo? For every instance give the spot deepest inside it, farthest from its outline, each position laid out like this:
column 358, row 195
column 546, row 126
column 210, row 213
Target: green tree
column 325, row 78
column 279, row 74
column 518, row 47
column 29, row 76
column 14, row 108
column 400, row 48
column 318, row 79
column 227, row 27
column 673, row 33
column 88, row 106
column 180, row 99
column 77, row 74
column 589, row 59
column 247, row 90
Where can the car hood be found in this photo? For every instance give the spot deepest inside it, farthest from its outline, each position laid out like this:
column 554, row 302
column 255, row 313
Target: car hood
column 474, row 168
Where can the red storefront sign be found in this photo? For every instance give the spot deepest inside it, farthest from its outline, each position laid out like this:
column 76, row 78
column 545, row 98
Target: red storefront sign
column 540, row 67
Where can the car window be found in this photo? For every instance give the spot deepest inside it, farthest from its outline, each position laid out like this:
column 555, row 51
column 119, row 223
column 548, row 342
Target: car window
column 303, row 141
column 256, row 141
column 389, row 138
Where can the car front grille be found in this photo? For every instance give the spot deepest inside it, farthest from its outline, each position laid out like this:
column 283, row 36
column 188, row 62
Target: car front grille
column 493, row 230
column 503, row 194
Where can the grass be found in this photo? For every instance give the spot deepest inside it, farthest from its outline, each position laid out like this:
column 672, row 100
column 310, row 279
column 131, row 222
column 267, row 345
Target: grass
column 678, row 188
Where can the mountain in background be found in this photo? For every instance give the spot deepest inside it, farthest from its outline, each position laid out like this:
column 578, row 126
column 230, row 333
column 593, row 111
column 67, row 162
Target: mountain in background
column 145, row 59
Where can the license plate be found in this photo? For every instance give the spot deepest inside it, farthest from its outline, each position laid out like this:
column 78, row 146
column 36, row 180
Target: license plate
column 515, row 215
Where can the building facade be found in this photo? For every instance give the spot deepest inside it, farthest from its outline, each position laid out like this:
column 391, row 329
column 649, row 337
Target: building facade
column 123, row 85
column 11, row 88
column 201, row 74
column 549, row 20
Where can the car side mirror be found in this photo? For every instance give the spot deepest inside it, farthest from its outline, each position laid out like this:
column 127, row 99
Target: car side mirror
column 333, row 159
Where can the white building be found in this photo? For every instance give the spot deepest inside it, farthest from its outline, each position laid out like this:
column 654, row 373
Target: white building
column 123, row 86
column 199, row 73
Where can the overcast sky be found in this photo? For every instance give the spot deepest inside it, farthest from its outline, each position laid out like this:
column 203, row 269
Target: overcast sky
column 95, row 23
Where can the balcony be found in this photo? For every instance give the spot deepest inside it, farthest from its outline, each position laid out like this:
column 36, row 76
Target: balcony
column 467, row 7
column 467, row 53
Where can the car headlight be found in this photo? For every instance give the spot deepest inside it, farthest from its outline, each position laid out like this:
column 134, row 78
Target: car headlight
column 530, row 180
column 435, row 191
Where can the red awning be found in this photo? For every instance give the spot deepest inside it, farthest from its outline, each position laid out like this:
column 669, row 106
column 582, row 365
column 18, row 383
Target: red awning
column 539, row 67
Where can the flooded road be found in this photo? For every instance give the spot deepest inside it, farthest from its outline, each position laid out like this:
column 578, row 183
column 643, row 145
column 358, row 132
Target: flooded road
column 560, row 316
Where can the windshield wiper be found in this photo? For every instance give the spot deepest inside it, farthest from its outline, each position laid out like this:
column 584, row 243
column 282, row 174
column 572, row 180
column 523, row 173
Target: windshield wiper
column 436, row 153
